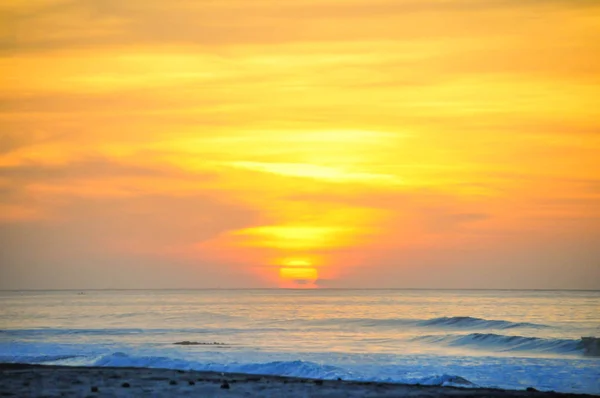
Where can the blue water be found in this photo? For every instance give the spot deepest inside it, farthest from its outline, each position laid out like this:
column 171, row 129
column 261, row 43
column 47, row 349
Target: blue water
column 506, row 339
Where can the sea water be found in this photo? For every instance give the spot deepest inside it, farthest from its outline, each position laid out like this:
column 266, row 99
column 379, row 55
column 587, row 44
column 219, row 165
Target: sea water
column 491, row 338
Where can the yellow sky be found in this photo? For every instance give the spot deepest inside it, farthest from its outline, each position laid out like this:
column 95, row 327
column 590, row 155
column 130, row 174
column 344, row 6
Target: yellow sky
column 300, row 144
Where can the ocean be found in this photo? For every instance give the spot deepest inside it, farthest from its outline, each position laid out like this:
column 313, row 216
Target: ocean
column 491, row 338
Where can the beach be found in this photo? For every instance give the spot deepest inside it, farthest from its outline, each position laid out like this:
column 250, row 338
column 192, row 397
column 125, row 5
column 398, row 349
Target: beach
column 24, row 380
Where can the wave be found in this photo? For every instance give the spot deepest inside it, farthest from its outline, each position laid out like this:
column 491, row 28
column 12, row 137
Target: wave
column 505, row 343
column 591, row 346
column 201, row 315
column 478, row 323
column 559, row 374
column 129, row 331
column 461, row 323
column 37, row 359
column 296, row 368
column 455, row 322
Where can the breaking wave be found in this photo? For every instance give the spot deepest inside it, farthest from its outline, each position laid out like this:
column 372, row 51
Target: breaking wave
column 455, row 322
column 503, row 343
column 37, row 359
column 297, row 368
column 478, row 323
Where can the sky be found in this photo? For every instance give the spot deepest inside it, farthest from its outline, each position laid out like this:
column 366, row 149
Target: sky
column 300, row 144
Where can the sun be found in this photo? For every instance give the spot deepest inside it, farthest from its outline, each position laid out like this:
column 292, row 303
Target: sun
column 298, row 263
column 298, row 273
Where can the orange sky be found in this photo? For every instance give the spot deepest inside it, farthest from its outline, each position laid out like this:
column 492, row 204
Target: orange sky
column 310, row 143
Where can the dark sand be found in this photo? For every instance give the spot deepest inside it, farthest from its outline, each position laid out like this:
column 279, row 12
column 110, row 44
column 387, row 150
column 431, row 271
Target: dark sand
column 18, row 380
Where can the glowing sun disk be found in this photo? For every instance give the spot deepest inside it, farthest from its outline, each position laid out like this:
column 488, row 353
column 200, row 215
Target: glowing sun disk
column 306, row 274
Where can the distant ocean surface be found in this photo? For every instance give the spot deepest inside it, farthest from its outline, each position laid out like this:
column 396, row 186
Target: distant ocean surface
column 505, row 339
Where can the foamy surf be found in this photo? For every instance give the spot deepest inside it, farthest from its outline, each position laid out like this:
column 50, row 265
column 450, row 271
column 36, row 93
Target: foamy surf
column 508, row 373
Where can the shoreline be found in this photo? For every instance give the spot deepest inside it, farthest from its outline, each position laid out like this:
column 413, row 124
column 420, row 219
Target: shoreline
column 29, row 380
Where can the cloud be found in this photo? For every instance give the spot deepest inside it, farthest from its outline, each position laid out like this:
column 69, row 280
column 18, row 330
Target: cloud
column 45, row 256
column 302, row 281
column 109, row 23
column 91, row 168
column 123, row 242
column 86, row 167
column 329, row 283
column 34, row 191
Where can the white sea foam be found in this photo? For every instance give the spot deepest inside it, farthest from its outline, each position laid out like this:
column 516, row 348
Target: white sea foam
column 513, row 373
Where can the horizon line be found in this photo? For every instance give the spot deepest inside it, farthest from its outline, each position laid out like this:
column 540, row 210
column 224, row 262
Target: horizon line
column 296, row 289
